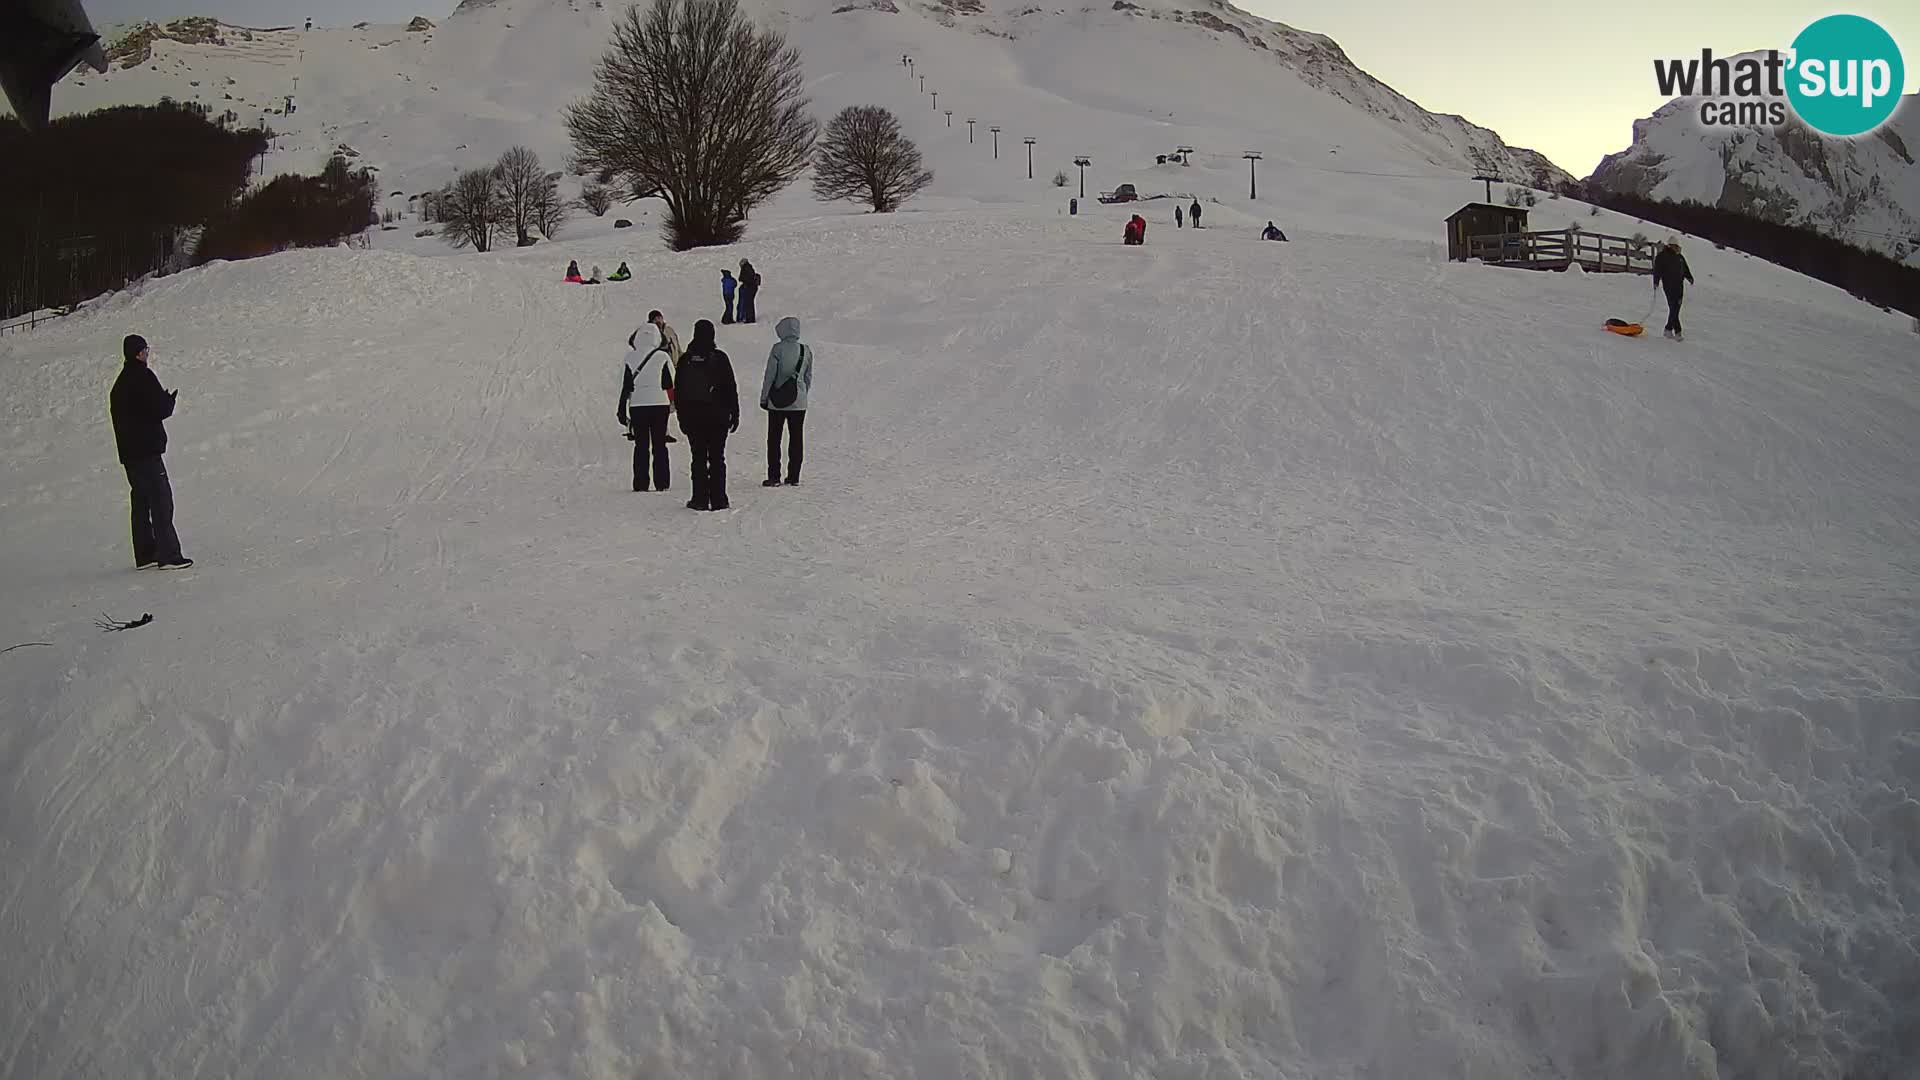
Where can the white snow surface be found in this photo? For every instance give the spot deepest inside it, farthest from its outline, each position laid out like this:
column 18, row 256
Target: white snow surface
column 1212, row 659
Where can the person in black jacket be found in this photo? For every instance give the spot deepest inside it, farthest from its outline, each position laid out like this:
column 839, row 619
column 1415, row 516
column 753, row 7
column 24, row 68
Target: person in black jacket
column 1670, row 270
column 140, row 408
column 749, row 293
column 708, row 401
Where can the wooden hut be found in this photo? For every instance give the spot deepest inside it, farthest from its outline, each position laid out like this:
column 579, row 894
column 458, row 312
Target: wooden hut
column 1481, row 219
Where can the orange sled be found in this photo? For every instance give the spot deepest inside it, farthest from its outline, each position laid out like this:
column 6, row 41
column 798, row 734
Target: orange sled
column 1624, row 328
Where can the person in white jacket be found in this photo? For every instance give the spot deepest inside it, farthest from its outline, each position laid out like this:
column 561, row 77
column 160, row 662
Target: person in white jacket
column 667, row 336
column 646, row 397
column 783, row 394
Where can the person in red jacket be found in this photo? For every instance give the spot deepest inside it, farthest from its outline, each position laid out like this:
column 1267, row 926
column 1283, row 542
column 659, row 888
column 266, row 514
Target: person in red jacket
column 1136, row 233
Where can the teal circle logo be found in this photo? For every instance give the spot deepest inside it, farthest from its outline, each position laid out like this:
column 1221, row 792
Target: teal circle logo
column 1847, row 75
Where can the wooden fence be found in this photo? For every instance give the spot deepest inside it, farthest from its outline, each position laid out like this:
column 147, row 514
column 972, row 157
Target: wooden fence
column 1596, row 252
column 29, row 320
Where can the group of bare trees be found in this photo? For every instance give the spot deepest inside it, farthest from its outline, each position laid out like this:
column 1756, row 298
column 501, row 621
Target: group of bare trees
column 695, row 104
column 514, row 195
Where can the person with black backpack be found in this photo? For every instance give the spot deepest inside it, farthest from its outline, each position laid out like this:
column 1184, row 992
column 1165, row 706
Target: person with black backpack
column 783, row 394
column 708, row 400
column 646, row 397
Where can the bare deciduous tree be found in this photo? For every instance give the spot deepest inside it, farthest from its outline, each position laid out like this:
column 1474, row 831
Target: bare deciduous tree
column 694, row 102
column 472, row 210
column 550, row 211
column 597, row 199
column 527, row 192
column 864, row 157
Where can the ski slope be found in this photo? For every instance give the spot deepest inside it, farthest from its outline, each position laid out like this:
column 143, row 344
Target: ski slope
column 1120, row 86
column 1212, row 659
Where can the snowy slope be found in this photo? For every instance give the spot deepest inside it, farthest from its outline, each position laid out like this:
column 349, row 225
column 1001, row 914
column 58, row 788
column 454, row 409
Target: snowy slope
column 1121, row 85
column 1215, row 659
column 1864, row 190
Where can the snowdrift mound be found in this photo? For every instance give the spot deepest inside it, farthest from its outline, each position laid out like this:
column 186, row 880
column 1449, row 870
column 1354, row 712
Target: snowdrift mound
column 1251, row 659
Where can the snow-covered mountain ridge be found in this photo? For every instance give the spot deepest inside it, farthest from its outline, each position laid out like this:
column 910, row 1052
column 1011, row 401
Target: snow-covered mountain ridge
column 1156, row 74
column 1865, row 190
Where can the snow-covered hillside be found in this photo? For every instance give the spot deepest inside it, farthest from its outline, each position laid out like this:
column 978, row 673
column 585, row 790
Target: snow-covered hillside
column 1864, row 190
column 1214, row 659
column 1122, row 83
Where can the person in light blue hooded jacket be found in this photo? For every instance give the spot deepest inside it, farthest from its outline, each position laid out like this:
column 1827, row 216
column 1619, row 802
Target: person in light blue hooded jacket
column 783, row 394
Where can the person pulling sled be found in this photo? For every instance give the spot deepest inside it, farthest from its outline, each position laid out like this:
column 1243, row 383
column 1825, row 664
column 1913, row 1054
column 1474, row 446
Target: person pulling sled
column 1670, row 272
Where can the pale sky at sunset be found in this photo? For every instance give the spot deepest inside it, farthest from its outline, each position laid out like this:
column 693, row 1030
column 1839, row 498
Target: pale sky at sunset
column 1563, row 78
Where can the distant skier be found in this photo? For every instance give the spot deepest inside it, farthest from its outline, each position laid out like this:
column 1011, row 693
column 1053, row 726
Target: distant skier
column 708, row 400
column 727, row 286
column 1670, row 271
column 1136, row 231
column 1272, row 232
column 1178, row 220
column 646, row 397
column 1193, row 212
column 749, row 291
column 783, row 394
column 573, row 273
column 139, row 409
